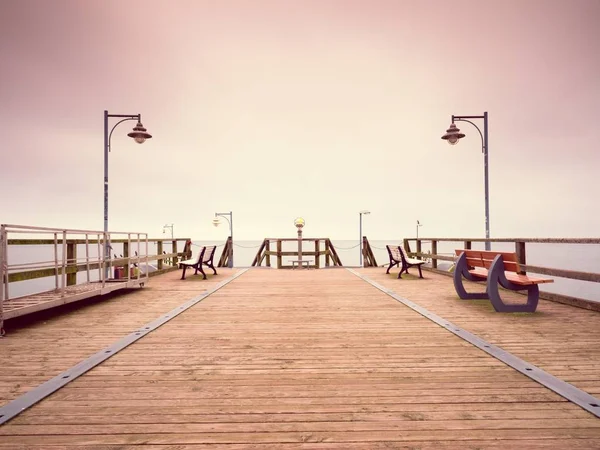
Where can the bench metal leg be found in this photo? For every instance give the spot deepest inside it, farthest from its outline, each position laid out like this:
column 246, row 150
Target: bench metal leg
column 462, row 270
column 183, row 273
column 392, row 264
column 497, row 278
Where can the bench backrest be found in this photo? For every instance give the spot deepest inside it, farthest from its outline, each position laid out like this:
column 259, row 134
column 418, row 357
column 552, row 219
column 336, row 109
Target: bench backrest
column 483, row 258
column 208, row 253
column 394, row 252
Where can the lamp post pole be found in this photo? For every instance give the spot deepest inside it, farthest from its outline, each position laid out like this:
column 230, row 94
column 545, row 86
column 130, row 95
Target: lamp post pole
column 140, row 135
column 360, row 237
column 453, row 135
column 299, row 222
column 171, row 227
column 418, row 225
column 230, row 221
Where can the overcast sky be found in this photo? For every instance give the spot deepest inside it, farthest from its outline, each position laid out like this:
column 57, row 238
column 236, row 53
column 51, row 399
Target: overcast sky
column 320, row 109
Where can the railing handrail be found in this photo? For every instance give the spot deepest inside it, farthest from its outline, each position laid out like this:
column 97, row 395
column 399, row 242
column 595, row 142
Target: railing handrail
column 527, row 240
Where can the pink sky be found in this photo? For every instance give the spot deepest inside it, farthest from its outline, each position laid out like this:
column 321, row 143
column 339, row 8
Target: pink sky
column 278, row 109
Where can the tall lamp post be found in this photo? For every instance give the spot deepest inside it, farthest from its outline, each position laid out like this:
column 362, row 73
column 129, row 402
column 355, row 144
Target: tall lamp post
column 360, row 237
column 453, row 135
column 418, row 225
column 139, row 134
column 217, row 222
column 169, row 226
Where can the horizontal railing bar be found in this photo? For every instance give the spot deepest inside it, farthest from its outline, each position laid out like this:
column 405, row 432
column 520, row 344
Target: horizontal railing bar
column 311, row 253
column 82, row 267
column 295, row 239
column 83, row 241
column 526, row 240
column 562, row 273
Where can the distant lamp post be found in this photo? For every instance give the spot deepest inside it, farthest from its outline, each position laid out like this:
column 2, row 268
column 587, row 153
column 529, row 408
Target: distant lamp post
column 299, row 222
column 169, row 226
column 360, row 237
column 453, row 135
column 139, row 134
column 418, row 225
column 216, row 222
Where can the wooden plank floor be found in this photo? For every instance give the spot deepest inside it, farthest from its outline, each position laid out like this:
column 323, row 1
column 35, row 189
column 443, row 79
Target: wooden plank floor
column 40, row 346
column 563, row 340
column 302, row 359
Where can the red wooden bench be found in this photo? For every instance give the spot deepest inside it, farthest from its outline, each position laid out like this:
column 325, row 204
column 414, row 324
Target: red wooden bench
column 496, row 269
column 205, row 257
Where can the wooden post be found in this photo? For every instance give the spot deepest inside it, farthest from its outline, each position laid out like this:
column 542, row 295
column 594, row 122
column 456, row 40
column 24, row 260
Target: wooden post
column 126, row 255
column 327, row 253
column 159, row 251
column 520, row 250
column 175, row 258
column 406, row 246
column 419, row 248
column 279, row 262
column 434, row 254
column 467, row 245
column 268, row 249
column 71, row 263
column 317, row 250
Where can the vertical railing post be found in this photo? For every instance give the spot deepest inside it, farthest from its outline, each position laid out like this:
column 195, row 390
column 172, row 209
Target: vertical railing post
column 434, row 251
column 327, row 253
column 467, row 245
column 317, row 251
column 520, row 250
column 126, row 264
column 419, row 248
column 72, row 263
column 3, row 268
column 159, row 251
column 279, row 262
column 406, row 246
column 174, row 250
column 267, row 250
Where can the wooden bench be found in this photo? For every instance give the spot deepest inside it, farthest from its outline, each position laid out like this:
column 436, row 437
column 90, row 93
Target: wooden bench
column 301, row 262
column 205, row 257
column 496, row 269
column 399, row 257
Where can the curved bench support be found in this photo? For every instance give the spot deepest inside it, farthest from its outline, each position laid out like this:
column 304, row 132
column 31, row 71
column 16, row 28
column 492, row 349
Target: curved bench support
column 462, row 270
column 497, row 277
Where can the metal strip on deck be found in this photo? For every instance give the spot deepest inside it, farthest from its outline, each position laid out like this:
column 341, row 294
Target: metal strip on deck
column 562, row 388
column 29, row 399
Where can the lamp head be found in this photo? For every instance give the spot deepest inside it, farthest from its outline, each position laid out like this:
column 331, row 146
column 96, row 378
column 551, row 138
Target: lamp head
column 139, row 133
column 216, row 222
column 364, row 212
column 453, row 134
column 299, row 222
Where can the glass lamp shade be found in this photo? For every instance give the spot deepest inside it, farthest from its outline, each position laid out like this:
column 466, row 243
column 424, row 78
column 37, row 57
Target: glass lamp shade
column 299, row 222
column 139, row 133
column 453, row 135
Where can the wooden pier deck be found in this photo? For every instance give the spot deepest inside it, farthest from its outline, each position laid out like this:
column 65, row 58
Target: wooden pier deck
column 300, row 359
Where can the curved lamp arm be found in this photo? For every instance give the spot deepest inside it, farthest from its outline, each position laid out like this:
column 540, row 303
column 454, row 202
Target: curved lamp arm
column 483, row 148
column 138, row 118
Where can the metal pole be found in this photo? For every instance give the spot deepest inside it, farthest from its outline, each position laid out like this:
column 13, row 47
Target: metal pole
column 485, row 165
column 106, row 244
column 231, row 234
column 300, row 247
column 360, row 239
